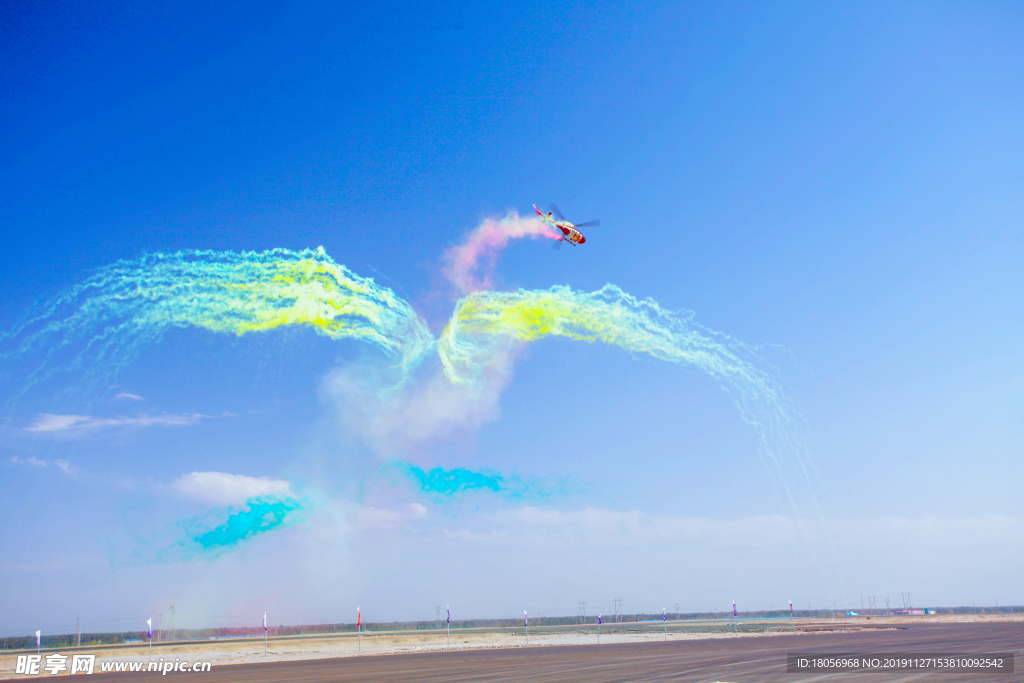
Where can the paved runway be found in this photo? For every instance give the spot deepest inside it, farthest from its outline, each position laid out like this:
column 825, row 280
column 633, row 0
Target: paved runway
column 738, row 660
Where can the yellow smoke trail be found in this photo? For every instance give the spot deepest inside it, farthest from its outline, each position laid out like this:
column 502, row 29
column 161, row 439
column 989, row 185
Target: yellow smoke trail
column 609, row 316
column 485, row 323
column 101, row 324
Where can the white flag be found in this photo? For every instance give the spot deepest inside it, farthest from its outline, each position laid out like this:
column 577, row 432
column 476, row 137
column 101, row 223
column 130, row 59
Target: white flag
column 149, row 625
column 38, row 635
column 264, row 621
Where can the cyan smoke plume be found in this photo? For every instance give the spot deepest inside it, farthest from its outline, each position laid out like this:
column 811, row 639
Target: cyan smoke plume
column 440, row 483
column 259, row 516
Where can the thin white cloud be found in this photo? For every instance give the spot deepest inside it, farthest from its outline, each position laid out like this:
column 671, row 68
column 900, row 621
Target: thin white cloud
column 128, row 395
column 367, row 517
column 63, row 465
column 49, row 422
column 28, row 461
column 66, row 467
column 221, row 488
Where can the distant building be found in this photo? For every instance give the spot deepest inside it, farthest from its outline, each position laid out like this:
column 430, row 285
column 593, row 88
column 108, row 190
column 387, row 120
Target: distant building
column 910, row 611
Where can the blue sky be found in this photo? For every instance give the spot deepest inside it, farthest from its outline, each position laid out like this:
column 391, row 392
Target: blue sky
column 837, row 186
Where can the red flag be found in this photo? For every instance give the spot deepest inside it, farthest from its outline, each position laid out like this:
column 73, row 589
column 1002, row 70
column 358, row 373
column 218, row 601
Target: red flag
column 359, row 617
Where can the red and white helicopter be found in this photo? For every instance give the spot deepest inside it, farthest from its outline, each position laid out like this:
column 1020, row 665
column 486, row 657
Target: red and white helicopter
column 569, row 230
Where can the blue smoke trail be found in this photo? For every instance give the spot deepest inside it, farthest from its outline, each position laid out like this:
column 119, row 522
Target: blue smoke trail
column 440, row 483
column 450, row 482
column 261, row 514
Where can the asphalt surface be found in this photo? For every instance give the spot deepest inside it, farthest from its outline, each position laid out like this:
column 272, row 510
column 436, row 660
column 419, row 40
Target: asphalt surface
column 736, row 660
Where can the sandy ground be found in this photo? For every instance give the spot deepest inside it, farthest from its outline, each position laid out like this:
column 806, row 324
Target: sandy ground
column 221, row 654
column 319, row 647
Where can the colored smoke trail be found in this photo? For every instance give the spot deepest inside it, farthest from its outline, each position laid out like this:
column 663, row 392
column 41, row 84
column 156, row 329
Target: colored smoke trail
column 485, row 243
column 447, row 483
column 457, row 480
column 484, row 322
column 261, row 515
column 608, row 315
column 104, row 321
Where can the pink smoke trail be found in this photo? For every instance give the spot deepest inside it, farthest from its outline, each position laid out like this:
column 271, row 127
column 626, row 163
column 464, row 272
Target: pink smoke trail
column 485, row 244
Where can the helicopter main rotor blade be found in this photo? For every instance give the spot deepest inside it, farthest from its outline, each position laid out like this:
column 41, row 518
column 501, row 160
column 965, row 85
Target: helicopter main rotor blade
column 557, row 245
column 596, row 221
column 558, row 212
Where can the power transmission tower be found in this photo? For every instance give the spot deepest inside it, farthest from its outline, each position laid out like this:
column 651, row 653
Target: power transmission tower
column 170, row 621
column 78, row 627
column 437, row 615
column 618, row 608
column 159, row 625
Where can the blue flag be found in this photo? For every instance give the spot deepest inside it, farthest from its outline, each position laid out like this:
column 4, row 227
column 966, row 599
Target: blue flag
column 449, row 611
column 598, row 619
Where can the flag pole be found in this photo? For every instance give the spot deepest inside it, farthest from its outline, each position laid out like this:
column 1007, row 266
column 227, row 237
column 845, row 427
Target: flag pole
column 599, row 629
column 149, row 624
column 526, row 621
column 39, row 635
column 449, row 626
column 359, row 627
column 264, row 634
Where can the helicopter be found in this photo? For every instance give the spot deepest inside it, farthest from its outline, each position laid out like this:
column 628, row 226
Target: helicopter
column 570, row 231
